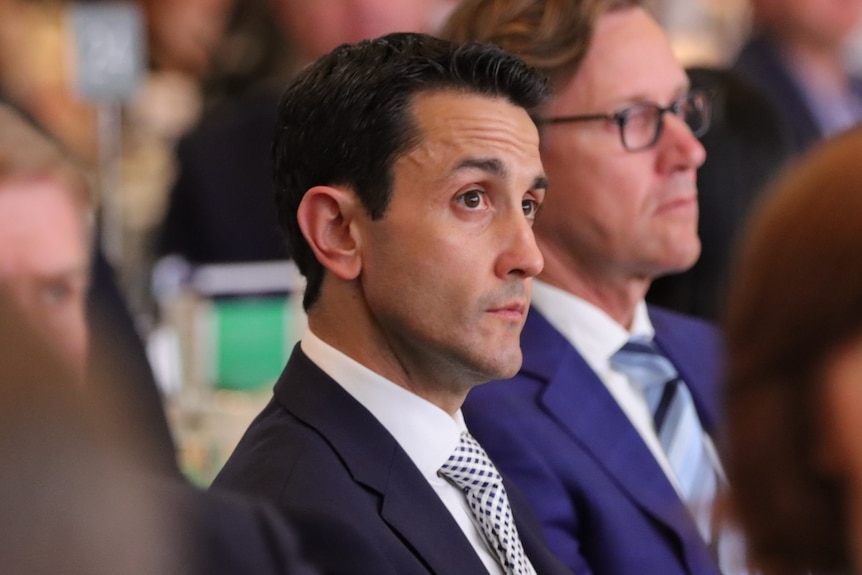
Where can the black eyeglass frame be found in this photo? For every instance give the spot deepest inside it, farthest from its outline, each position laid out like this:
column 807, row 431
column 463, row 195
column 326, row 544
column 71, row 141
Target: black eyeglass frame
column 621, row 117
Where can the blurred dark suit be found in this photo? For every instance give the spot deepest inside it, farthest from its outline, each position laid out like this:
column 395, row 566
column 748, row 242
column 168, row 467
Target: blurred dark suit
column 222, row 206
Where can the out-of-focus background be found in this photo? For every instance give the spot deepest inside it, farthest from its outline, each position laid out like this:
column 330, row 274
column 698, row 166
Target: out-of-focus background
column 170, row 103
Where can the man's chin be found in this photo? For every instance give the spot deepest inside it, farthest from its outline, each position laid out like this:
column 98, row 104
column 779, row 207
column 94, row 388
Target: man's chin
column 506, row 367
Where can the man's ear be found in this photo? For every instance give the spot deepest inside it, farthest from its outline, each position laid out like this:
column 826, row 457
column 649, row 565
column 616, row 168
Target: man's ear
column 327, row 217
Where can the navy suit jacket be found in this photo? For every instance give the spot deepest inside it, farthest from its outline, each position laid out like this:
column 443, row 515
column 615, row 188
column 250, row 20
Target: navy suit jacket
column 604, row 502
column 357, row 501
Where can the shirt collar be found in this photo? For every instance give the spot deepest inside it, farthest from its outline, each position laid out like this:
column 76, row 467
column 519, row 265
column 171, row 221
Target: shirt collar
column 427, row 434
column 585, row 326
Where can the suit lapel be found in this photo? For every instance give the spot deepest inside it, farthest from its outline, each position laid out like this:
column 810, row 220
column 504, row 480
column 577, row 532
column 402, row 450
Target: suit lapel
column 408, row 504
column 581, row 404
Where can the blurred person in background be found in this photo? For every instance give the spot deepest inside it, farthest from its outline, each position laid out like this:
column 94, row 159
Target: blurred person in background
column 49, row 257
column 794, row 373
column 184, row 35
column 220, row 206
column 584, row 428
column 84, row 475
column 46, row 231
column 796, row 58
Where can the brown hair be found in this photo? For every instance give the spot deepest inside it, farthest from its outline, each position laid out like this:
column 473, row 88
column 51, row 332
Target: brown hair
column 550, row 35
column 796, row 299
column 28, row 154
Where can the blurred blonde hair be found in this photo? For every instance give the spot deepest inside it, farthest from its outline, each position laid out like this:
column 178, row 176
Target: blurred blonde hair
column 553, row 36
column 27, row 154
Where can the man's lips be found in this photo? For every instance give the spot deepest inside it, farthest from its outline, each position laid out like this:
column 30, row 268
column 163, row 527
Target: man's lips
column 678, row 203
column 512, row 310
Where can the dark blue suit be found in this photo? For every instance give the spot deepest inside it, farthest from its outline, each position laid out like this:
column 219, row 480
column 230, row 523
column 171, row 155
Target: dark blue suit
column 358, row 502
column 604, row 502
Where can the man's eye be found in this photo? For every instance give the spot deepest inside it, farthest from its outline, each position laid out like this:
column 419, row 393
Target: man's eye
column 640, row 117
column 472, row 199
column 55, row 294
column 531, row 208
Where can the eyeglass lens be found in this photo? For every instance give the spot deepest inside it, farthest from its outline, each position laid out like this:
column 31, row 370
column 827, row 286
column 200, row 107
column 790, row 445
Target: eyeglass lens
column 641, row 125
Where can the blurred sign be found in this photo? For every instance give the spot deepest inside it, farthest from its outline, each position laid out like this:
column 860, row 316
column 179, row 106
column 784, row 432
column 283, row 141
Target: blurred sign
column 109, row 42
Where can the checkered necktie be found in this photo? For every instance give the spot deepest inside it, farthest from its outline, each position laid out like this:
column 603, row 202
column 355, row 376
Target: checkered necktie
column 471, row 469
column 677, row 426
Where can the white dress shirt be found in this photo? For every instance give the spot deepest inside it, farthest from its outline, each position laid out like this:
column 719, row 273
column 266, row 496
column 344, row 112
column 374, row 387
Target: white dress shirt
column 427, row 434
column 597, row 337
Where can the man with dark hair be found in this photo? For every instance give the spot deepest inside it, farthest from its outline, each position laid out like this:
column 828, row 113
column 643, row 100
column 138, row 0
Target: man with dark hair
column 408, row 178
column 608, row 426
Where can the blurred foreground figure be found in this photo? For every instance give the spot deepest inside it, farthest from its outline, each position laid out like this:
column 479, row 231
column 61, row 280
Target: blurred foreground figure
column 81, row 490
column 794, row 389
column 77, row 496
column 50, row 261
column 70, row 501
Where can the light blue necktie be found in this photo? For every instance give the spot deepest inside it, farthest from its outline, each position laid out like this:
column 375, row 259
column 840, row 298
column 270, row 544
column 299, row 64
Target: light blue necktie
column 472, row 470
column 677, row 426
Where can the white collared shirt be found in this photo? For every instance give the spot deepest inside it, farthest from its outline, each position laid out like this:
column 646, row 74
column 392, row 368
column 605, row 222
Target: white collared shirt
column 597, row 337
column 425, row 432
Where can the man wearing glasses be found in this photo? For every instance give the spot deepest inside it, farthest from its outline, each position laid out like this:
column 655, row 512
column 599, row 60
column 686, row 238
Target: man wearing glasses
column 607, row 426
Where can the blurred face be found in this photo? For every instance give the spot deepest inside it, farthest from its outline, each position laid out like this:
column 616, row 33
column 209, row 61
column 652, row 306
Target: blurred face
column 826, row 22
column 616, row 215
column 318, row 27
column 186, row 33
column 446, row 271
column 44, row 259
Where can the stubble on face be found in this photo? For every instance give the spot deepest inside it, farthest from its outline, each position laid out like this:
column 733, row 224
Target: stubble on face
column 446, row 313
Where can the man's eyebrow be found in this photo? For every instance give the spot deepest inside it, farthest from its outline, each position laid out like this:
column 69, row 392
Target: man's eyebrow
column 491, row 165
column 497, row 168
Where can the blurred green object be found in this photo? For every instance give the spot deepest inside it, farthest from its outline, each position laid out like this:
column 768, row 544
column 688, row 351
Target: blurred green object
column 250, row 344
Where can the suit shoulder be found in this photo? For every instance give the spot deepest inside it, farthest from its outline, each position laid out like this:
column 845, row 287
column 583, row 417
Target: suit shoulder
column 663, row 318
column 275, row 450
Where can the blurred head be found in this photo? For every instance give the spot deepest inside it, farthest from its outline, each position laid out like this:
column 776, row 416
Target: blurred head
column 794, row 330
column 185, row 34
column 315, row 28
column 616, row 214
column 815, row 22
column 45, row 233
